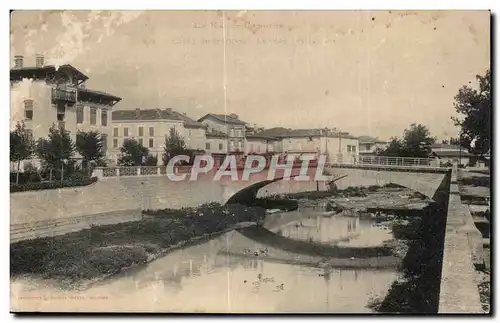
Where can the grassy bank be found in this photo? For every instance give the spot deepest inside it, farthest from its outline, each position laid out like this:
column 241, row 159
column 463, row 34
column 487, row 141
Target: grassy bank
column 102, row 251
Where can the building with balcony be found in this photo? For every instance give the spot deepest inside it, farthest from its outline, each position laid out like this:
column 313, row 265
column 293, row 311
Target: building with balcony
column 151, row 127
column 368, row 146
column 43, row 95
column 230, row 125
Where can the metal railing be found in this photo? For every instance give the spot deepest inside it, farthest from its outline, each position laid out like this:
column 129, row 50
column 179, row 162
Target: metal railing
column 64, row 93
column 398, row 161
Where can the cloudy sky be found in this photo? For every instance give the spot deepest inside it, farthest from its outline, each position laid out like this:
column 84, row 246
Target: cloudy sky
column 366, row 72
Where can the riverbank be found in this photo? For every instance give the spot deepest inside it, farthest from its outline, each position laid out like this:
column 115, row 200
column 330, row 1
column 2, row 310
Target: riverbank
column 78, row 259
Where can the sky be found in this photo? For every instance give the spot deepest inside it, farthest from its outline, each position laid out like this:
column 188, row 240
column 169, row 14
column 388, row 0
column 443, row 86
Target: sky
column 364, row 72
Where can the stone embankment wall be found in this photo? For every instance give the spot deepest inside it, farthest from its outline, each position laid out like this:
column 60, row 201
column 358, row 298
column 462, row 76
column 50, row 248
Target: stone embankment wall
column 462, row 251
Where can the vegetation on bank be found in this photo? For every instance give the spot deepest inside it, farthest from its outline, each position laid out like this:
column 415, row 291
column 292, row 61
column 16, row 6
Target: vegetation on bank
column 37, row 186
column 105, row 250
column 352, row 191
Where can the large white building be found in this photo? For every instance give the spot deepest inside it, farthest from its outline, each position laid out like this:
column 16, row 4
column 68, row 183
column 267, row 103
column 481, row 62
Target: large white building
column 44, row 95
column 151, row 127
column 339, row 147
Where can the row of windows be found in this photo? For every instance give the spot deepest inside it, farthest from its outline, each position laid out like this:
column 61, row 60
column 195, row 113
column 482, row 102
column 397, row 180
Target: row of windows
column 61, row 111
column 93, row 116
column 207, row 146
column 235, row 133
column 141, row 141
column 351, row 148
column 141, row 132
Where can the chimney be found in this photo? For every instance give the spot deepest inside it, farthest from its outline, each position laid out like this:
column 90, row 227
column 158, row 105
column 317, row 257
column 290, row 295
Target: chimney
column 137, row 113
column 18, row 61
column 40, row 60
column 169, row 110
column 234, row 115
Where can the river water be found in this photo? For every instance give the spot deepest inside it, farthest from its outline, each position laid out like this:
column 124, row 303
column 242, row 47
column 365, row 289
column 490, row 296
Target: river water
column 237, row 273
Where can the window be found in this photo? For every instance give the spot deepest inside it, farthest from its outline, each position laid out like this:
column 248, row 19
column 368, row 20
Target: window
column 115, row 143
column 28, row 109
column 348, row 148
column 93, row 115
column 207, row 146
column 141, row 131
column 61, row 111
column 220, row 146
column 353, row 148
column 79, row 114
column 104, row 118
column 231, row 132
column 151, row 132
column 125, row 132
column 151, row 142
column 231, row 144
column 115, row 132
column 141, row 141
column 104, row 141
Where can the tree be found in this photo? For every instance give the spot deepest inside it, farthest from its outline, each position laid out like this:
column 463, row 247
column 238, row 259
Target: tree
column 474, row 108
column 132, row 153
column 151, row 160
column 21, row 145
column 56, row 151
column 416, row 142
column 174, row 146
column 90, row 145
column 393, row 149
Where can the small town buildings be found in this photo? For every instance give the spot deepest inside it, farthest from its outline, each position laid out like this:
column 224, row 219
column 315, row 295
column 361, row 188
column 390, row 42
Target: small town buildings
column 44, row 95
column 151, row 127
column 368, row 146
column 230, row 125
column 452, row 154
column 339, row 147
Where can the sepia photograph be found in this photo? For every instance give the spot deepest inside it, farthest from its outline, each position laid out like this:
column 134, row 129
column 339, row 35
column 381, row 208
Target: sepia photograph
column 250, row 161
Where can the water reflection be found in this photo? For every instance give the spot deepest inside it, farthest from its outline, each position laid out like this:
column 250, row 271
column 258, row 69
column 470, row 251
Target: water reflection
column 199, row 278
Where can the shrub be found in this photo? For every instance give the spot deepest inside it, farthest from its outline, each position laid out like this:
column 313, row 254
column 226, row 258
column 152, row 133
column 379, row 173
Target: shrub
column 37, row 186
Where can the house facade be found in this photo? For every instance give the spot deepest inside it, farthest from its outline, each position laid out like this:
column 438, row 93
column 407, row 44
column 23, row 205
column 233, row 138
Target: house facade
column 452, row 154
column 368, row 146
column 151, row 127
column 230, row 125
column 338, row 147
column 43, row 95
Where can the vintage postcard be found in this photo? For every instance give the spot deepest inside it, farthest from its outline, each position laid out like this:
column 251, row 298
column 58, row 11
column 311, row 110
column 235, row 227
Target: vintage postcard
column 247, row 161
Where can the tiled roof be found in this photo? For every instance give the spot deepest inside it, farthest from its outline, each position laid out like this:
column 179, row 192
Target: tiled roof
column 259, row 136
column 223, row 118
column 98, row 93
column 370, row 139
column 445, row 146
column 151, row 114
column 188, row 122
column 280, row 132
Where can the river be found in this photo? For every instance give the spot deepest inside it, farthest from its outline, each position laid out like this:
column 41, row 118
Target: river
column 237, row 273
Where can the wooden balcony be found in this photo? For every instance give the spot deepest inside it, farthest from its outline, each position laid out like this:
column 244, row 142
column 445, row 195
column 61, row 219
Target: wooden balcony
column 66, row 94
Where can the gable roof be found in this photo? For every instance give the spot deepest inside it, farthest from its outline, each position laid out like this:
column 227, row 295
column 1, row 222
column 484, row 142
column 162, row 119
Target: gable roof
column 223, row 118
column 369, row 139
column 17, row 74
column 188, row 122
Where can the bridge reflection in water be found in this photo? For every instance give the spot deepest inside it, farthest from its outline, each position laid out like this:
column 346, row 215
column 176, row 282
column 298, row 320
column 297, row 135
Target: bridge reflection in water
column 219, row 276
